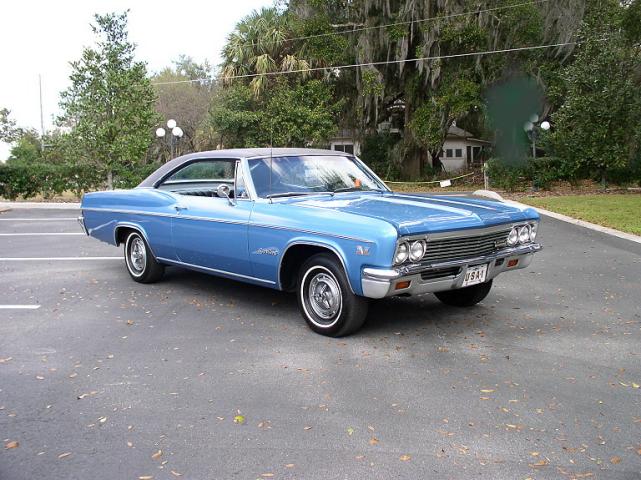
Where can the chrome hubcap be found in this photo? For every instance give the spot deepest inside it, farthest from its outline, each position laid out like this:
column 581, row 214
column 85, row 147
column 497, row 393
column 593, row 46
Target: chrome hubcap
column 324, row 296
column 137, row 255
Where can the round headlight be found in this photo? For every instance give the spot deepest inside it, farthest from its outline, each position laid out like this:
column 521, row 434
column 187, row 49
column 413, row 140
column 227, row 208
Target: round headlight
column 533, row 230
column 402, row 252
column 417, row 250
column 513, row 237
column 524, row 234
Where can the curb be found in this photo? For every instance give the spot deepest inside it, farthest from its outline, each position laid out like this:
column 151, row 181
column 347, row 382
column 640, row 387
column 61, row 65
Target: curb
column 48, row 205
column 564, row 218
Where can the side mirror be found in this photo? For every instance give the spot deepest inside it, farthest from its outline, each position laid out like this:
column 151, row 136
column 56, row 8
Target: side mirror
column 223, row 191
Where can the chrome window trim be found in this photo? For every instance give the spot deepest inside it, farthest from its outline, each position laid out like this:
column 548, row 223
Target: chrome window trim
column 213, row 270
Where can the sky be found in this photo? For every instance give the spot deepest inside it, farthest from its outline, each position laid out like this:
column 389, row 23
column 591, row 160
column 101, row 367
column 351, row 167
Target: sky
column 42, row 37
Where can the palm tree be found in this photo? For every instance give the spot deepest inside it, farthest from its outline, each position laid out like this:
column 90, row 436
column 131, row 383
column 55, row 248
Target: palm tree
column 260, row 46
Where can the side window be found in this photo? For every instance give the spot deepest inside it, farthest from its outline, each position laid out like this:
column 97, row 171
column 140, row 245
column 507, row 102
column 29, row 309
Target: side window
column 241, row 189
column 206, row 171
column 459, row 152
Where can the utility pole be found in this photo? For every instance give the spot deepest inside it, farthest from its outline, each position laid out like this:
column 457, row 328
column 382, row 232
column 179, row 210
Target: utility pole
column 42, row 121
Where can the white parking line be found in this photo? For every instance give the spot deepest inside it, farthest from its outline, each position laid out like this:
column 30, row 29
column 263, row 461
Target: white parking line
column 38, row 234
column 48, row 219
column 48, row 259
column 19, row 307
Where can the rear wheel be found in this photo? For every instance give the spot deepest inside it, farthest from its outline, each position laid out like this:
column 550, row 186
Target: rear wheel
column 141, row 264
column 326, row 302
column 465, row 297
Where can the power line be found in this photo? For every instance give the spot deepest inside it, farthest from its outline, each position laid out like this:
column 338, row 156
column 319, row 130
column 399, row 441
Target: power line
column 374, row 27
column 383, row 62
column 410, row 22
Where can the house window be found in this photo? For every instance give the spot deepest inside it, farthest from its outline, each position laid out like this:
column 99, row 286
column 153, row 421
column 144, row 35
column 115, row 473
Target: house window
column 448, row 153
column 347, row 148
column 459, row 153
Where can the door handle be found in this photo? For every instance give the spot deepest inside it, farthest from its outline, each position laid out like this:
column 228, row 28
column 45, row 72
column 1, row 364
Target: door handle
column 179, row 208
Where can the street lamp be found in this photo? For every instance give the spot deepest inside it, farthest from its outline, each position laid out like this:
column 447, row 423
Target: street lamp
column 529, row 127
column 176, row 134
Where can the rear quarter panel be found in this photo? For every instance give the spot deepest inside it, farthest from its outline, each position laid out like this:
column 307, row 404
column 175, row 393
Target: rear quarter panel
column 146, row 209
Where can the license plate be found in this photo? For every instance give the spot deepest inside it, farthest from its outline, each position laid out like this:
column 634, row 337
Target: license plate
column 475, row 275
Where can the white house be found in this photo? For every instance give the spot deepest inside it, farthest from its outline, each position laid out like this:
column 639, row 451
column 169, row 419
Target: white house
column 460, row 150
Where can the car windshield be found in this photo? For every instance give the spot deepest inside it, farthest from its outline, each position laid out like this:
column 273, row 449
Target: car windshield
column 309, row 174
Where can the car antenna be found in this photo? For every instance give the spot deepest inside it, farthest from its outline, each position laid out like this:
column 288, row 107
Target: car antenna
column 271, row 157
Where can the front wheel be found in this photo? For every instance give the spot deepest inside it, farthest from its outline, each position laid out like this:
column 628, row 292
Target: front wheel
column 324, row 297
column 141, row 264
column 465, row 297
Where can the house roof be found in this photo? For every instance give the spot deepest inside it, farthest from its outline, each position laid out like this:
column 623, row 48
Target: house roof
column 458, row 132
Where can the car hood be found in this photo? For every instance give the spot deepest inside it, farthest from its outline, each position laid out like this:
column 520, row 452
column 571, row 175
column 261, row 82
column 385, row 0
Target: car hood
column 412, row 214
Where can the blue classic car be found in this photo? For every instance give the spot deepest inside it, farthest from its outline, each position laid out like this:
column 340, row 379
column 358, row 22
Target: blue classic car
column 316, row 222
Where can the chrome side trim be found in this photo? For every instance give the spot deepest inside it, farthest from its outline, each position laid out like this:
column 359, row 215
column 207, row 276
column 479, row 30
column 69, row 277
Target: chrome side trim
column 213, row 270
column 234, row 222
column 169, row 215
column 314, row 244
column 311, row 232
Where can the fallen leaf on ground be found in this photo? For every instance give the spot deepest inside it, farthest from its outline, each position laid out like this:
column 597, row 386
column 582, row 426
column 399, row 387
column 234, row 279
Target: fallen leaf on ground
column 239, row 419
column 64, row 455
column 6, row 359
column 102, row 419
column 404, row 458
column 176, row 474
column 487, row 390
column 73, row 375
column 267, row 475
column 12, row 444
column 289, row 465
column 307, row 428
column 157, row 455
column 614, row 460
column 146, row 477
column 40, row 377
column 540, row 463
column 373, row 441
column 443, row 349
column 350, row 431
column 129, row 444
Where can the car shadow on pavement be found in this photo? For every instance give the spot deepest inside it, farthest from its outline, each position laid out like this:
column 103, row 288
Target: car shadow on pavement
column 386, row 316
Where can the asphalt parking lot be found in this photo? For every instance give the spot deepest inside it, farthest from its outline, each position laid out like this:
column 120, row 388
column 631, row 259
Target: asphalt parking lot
column 203, row 378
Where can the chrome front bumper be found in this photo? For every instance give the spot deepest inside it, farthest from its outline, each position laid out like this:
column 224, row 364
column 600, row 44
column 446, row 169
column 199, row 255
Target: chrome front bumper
column 382, row 282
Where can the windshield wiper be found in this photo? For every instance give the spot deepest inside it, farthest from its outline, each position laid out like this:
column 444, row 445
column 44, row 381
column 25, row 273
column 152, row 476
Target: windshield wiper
column 294, row 194
column 356, row 189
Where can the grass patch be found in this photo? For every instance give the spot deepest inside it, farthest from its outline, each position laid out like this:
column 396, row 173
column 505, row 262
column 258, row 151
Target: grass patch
column 622, row 212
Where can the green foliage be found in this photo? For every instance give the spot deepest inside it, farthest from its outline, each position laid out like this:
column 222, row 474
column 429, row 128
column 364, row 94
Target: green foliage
column 538, row 173
column 378, row 153
column 598, row 127
column 26, row 179
column 290, row 116
column 27, row 148
column 110, row 103
column 372, row 83
column 8, row 130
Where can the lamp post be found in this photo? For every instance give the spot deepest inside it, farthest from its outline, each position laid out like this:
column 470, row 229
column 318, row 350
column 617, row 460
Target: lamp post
column 175, row 134
column 529, row 127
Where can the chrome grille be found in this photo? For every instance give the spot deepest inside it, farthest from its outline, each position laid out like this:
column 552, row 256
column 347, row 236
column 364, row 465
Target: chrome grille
column 464, row 247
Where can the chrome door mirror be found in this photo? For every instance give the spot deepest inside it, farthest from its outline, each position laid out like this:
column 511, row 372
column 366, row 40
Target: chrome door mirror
column 223, row 191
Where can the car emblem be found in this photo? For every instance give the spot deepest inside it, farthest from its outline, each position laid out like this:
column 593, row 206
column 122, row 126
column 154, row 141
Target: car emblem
column 361, row 250
column 267, row 251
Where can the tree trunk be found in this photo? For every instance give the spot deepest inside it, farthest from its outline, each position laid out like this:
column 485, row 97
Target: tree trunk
column 110, row 180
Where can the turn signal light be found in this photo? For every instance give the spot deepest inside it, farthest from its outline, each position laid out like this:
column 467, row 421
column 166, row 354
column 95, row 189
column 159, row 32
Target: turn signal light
column 512, row 263
column 402, row 285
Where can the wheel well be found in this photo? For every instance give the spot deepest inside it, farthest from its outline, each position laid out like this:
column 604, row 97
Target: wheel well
column 122, row 233
column 292, row 261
